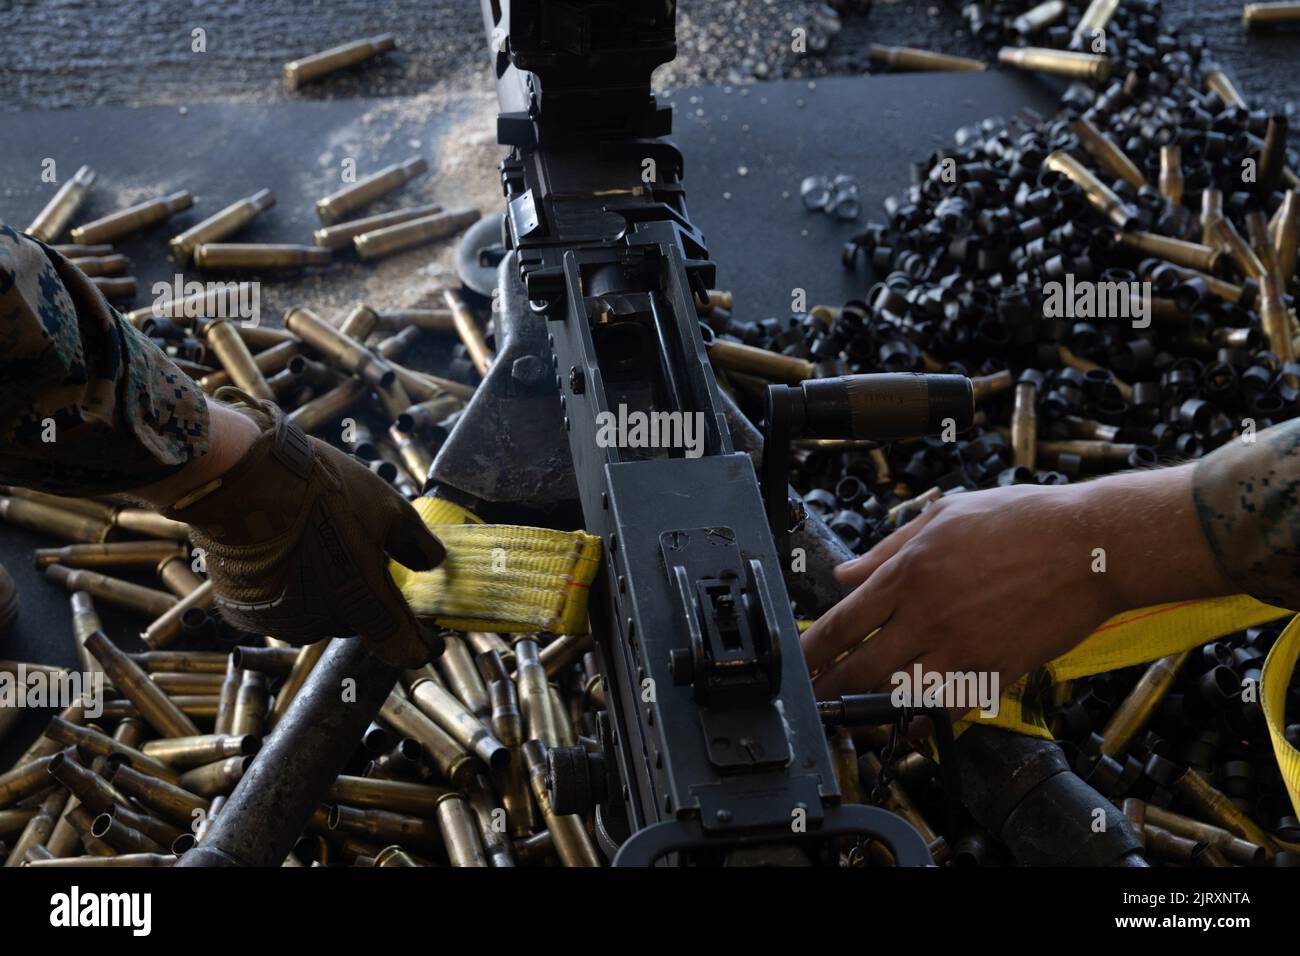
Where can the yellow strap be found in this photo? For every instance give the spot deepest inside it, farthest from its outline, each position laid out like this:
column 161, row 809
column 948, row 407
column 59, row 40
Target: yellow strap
column 1278, row 668
column 505, row 578
column 1146, row 634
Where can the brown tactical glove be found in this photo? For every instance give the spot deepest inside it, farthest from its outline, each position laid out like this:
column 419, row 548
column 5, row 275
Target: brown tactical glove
column 295, row 537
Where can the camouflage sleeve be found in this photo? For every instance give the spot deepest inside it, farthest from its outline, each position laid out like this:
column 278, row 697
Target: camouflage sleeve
column 88, row 405
column 1248, row 500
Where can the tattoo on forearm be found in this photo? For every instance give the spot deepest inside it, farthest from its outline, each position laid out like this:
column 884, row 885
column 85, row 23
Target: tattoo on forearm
column 1247, row 498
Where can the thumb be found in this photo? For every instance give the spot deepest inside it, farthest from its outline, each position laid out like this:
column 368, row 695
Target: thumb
column 409, row 541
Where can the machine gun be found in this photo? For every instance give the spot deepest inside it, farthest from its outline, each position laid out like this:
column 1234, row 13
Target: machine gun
column 713, row 749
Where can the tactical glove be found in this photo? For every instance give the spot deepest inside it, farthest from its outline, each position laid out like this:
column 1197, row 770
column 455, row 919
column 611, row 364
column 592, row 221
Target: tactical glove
column 295, row 536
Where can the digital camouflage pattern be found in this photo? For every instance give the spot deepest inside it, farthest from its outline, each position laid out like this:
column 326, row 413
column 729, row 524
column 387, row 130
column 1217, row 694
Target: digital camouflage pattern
column 88, row 405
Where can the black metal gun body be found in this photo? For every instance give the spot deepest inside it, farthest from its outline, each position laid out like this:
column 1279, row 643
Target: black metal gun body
column 712, row 721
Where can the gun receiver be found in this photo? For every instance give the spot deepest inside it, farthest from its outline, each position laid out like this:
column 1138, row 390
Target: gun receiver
column 712, row 727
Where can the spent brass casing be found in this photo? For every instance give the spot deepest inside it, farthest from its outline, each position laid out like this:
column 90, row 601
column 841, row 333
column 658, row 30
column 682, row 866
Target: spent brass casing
column 181, row 683
column 259, row 255
column 1239, row 851
column 110, row 554
column 73, row 250
column 13, row 821
column 272, row 661
column 149, row 523
column 55, row 522
column 1211, row 211
column 225, row 223
column 1108, row 154
column 460, row 834
column 166, row 627
column 1286, row 235
column 131, row 680
column 508, row 727
column 24, row 780
column 1217, row 82
column 328, row 407
column 844, row 759
column 1197, row 791
column 268, row 361
column 563, row 725
column 415, row 457
column 766, row 364
column 435, row 320
column 424, row 417
column 457, row 667
column 195, row 706
column 986, row 386
column 421, row 385
column 134, row 597
column 75, row 831
column 85, row 621
column 400, row 796
column 563, row 652
column 175, row 572
column 366, row 190
column 1035, row 18
column 572, row 842
column 84, row 506
column 215, row 300
column 173, row 803
column 185, row 753
column 308, row 68
column 1178, row 251
column 44, row 745
column 340, row 236
column 394, row 856
column 1266, row 14
column 233, row 354
column 440, row 748
column 1136, row 709
column 116, row 287
column 90, row 789
column 124, row 859
column 534, row 694
column 535, row 848
column 91, row 741
column 114, row 265
column 915, row 503
column 1257, row 236
column 1095, row 18
column 252, row 703
column 386, row 827
column 303, row 665
column 898, row 800
column 1024, row 426
column 226, row 697
column 1171, row 173
column 1230, row 242
column 414, row 232
column 1120, row 213
column 483, row 642
column 132, row 219
column 1079, row 66
column 109, row 828
column 1170, row 847
column 468, row 329
column 347, row 353
column 440, row 706
column 1275, row 318
column 216, row 779
column 906, row 58
column 38, row 830
column 58, row 212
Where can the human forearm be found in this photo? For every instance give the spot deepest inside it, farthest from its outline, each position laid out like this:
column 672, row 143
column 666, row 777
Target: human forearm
column 89, row 405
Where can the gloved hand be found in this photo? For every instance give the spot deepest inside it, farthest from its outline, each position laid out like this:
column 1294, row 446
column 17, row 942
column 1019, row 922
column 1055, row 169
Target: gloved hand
column 295, row 536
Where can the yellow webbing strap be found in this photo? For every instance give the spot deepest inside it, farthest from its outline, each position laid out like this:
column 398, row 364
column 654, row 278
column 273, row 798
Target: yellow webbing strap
column 498, row 577
column 1146, row 634
column 1278, row 668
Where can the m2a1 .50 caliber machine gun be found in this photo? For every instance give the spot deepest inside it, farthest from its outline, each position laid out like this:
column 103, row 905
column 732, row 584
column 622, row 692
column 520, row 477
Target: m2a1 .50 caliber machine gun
column 712, row 748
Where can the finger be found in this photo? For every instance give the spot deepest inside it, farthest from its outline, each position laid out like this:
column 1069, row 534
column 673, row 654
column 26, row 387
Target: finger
column 873, row 667
column 859, row 569
column 409, row 541
column 849, row 622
